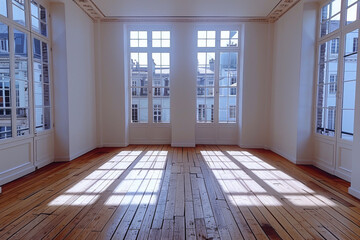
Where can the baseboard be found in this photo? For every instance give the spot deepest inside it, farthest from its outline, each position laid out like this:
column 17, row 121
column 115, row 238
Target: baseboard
column 252, row 146
column 212, row 142
column 62, row 159
column 82, row 152
column 179, row 144
column 43, row 163
column 120, row 144
column 304, row 162
column 290, row 158
column 150, row 142
column 342, row 175
column 324, row 167
column 16, row 173
column 354, row 192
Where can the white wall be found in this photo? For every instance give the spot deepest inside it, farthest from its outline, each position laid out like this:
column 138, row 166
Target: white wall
column 60, row 81
column 75, row 96
column 256, row 80
column 285, row 83
column 305, row 119
column 113, row 102
column 81, row 80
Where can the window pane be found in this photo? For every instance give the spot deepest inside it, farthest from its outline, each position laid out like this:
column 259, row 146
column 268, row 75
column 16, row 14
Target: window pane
column 205, row 96
column 5, row 123
column 334, row 23
column 327, row 87
column 22, row 121
column 3, row 8
column 229, row 38
column 138, row 39
column 228, row 86
column 349, row 84
column 47, row 112
column 349, row 95
column 335, row 7
column 18, row 7
column 347, row 124
column 351, row 15
column 5, row 90
column 39, row 119
column 206, row 38
column 139, row 78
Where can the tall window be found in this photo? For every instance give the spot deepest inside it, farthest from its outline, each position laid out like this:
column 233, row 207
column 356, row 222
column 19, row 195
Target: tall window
column 150, row 76
column 327, row 82
column 337, row 75
column 5, row 85
column 21, row 83
column 41, row 85
column 349, row 85
column 20, row 44
column 217, row 76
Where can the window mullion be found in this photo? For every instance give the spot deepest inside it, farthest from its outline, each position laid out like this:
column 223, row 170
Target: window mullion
column 31, row 82
column 12, row 80
column 216, row 86
column 150, row 82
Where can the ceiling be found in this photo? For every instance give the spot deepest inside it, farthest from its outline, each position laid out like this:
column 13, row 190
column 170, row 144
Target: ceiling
column 187, row 8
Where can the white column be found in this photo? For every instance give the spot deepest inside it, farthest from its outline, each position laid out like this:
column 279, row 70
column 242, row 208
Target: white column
column 183, row 85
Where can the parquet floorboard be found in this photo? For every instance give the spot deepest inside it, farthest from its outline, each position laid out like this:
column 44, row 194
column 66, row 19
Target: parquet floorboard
column 160, row 192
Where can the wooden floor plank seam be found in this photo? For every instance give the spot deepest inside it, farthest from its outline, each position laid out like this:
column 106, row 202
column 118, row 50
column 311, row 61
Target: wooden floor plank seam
column 161, row 192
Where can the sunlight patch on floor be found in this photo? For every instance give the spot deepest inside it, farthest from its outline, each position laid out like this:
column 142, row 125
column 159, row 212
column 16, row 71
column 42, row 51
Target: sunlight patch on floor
column 144, row 178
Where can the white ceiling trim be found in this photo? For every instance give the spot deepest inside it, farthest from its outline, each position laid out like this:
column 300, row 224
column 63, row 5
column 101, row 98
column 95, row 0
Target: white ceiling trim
column 90, row 8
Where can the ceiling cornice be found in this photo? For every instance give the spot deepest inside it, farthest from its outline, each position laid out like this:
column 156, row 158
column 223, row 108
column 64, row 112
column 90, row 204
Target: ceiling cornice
column 280, row 9
column 90, row 8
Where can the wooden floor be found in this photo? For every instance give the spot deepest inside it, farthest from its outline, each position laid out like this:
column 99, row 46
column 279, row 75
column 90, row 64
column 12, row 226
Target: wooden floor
column 159, row 192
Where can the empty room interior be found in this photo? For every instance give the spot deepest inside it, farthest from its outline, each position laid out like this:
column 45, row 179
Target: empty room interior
column 205, row 119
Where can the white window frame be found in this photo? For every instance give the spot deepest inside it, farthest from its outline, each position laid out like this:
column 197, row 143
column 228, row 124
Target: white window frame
column 150, row 87
column 30, row 33
column 340, row 33
column 217, row 50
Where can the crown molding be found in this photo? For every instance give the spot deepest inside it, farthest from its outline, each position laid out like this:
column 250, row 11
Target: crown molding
column 184, row 19
column 280, row 9
column 90, row 8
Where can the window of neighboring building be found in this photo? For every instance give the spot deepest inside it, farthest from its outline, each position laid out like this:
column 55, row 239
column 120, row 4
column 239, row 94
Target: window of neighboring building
column 355, row 44
column 335, row 46
column 134, row 113
column 332, row 85
column 201, row 113
column 157, row 113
